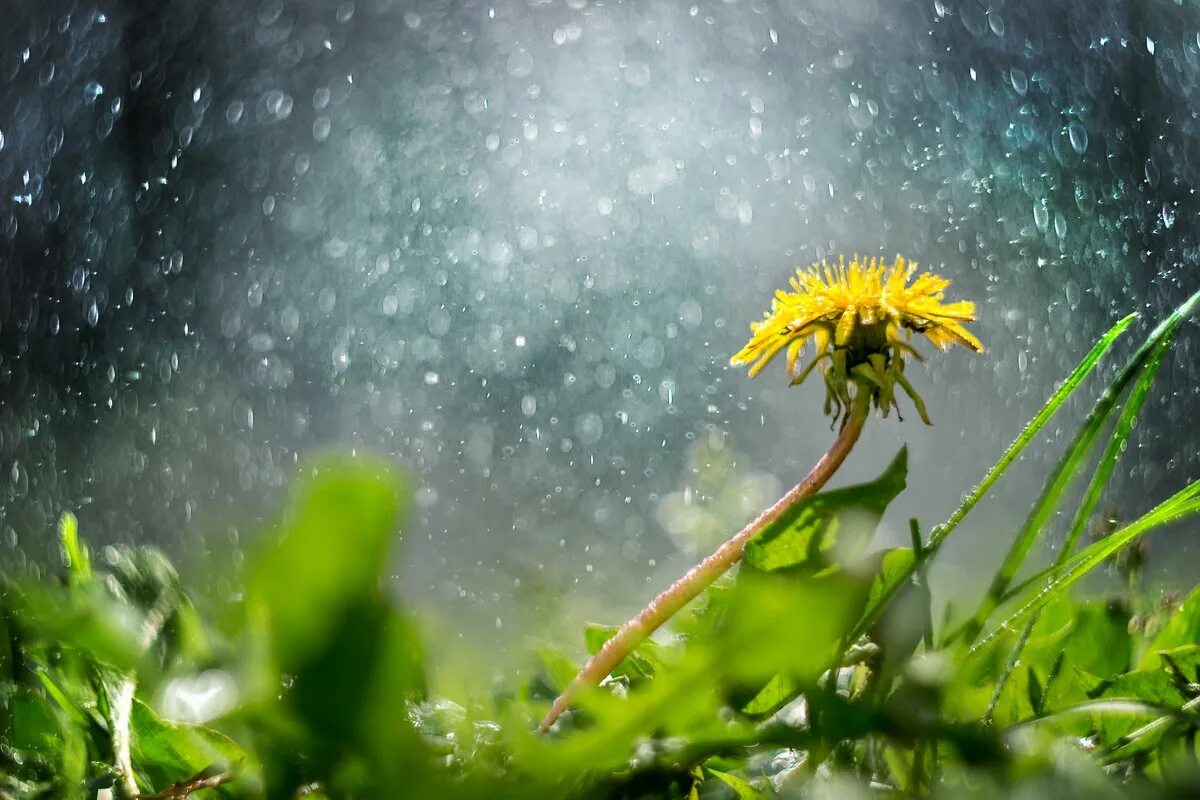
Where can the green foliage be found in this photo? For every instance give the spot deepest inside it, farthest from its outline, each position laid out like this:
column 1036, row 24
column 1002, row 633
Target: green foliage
column 831, row 526
column 813, row 670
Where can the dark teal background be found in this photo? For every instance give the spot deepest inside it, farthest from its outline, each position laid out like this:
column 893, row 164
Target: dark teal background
column 514, row 244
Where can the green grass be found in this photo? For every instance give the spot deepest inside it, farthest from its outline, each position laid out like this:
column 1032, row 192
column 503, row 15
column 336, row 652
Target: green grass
column 815, row 670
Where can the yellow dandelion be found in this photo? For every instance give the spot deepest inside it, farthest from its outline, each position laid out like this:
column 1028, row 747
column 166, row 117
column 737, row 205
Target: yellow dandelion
column 860, row 317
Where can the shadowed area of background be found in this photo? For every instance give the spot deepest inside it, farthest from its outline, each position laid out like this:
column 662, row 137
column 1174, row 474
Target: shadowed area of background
column 513, row 246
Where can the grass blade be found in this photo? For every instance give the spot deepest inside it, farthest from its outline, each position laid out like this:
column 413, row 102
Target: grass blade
column 1064, row 391
column 1183, row 504
column 1031, row 429
column 1091, row 497
column 1113, row 450
column 1069, row 465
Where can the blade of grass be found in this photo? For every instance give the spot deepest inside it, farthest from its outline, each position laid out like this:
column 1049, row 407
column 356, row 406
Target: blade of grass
column 1060, row 396
column 1108, row 461
column 1068, row 468
column 1113, row 450
column 1031, row 429
column 1182, row 504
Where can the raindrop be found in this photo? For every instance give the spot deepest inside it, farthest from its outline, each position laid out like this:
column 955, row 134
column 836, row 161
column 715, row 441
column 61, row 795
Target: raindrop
column 974, row 19
column 341, row 358
column 289, row 320
column 589, row 428
column 520, row 64
column 1078, row 136
column 321, row 128
column 1019, row 81
column 995, row 22
column 1152, row 173
column 637, row 74
column 1041, row 215
column 1072, row 291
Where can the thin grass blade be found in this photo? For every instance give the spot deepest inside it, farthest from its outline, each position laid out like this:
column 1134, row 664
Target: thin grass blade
column 1108, row 461
column 1181, row 505
column 1060, row 396
column 1069, row 466
column 1031, row 429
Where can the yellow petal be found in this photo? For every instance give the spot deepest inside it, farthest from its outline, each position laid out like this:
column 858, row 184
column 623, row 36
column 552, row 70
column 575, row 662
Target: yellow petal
column 845, row 326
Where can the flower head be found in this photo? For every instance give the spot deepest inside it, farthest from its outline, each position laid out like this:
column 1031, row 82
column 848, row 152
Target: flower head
column 860, row 317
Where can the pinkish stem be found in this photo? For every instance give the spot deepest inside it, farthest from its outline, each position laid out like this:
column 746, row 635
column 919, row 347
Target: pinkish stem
column 701, row 576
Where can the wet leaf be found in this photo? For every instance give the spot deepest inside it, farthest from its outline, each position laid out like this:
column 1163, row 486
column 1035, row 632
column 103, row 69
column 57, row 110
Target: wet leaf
column 830, row 526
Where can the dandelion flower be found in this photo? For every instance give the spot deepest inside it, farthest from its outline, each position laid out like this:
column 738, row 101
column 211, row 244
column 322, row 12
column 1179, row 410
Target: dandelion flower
column 860, row 318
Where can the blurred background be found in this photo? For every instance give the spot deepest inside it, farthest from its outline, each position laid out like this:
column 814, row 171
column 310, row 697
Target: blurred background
column 513, row 245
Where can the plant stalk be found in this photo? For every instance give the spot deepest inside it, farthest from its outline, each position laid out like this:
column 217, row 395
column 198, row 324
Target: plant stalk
column 701, row 576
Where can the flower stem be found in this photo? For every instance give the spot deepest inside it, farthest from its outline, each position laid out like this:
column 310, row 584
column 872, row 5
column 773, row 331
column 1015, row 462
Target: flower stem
column 701, row 576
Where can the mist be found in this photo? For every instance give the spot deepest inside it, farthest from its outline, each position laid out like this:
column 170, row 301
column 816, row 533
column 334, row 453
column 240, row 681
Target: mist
column 513, row 246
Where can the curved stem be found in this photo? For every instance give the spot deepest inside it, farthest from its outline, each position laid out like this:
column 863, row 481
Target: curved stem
column 701, row 576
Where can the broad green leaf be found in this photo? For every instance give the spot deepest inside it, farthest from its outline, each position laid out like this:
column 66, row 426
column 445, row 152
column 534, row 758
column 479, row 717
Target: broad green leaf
column 645, row 661
column 329, row 556
column 352, row 662
column 780, row 690
column 895, row 566
column 1154, row 686
column 826, row 527
column 898, row 632
column 683, row 703
column 905, row 621
column 556, row 667
column 782, row 622
column 165, row 752
column 56, row 693
column 86, row 618
column 34, row 728
column 1092, row 636
column 1084, row 636
column 392, row 679
column 1181, row 630
column 742, row 789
